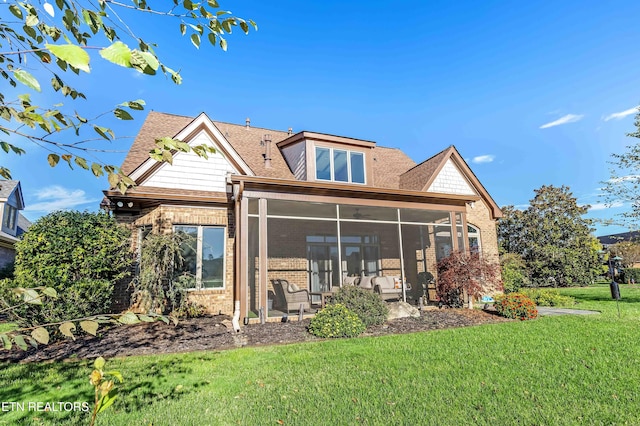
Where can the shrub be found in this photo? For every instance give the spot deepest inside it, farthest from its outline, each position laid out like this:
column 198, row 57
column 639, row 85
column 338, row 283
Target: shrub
column 463, row 271
column 548, row 297
column 514, row 272
column 189, row 309
column 369, row 306
column 516, row 306
column 336, row 321
column 631, row 273
column 81, row 255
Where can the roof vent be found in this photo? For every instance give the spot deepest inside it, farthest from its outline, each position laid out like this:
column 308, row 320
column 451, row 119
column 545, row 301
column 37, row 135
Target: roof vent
column 247, row 123
column 290, row 132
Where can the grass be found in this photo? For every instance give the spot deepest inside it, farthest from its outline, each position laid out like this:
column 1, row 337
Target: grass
column 565, row 370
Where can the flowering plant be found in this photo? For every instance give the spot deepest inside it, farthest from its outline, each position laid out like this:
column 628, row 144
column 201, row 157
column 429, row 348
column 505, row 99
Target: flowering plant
column 516, row 306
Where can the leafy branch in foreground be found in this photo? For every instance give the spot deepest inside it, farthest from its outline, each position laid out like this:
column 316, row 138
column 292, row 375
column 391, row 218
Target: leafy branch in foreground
column 40, row 334
column 104, row 389
column 44, row 42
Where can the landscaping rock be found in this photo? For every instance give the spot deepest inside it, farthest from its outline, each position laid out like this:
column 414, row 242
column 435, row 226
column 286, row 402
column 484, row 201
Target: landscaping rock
column 402, row 310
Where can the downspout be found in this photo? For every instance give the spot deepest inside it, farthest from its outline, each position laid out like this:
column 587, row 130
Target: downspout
column 237, row 195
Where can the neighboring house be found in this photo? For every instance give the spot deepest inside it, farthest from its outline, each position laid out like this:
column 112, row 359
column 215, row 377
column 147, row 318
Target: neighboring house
column 310, row 208
column 13, row 223
column 609, row 240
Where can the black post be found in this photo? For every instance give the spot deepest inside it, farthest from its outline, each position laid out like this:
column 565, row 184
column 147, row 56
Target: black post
column 613, row 286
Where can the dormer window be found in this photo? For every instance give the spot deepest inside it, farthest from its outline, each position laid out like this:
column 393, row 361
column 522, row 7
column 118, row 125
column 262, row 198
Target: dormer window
column 10, row 213
column 339, row 165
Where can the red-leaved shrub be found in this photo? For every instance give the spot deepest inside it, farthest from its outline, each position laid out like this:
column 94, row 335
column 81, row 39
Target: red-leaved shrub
column 516, row 306
column 463, row 271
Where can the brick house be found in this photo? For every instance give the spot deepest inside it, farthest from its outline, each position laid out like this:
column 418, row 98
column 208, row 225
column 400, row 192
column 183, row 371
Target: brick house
column 310, row 208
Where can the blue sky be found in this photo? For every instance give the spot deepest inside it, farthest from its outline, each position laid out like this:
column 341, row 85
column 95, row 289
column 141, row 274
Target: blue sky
column 531, row 93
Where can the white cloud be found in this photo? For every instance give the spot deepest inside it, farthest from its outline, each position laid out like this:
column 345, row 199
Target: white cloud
column 483, row 159
column 55, row 197
column 604, row 206
column 569, row 118
column 621, row 114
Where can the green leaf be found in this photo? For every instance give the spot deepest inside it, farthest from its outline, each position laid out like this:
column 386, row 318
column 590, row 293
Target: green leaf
column 122, row 114
column 115, row 374
column 17, row 12
column 90, row 327
column 67, row 328
column 71, row 54
column 212, row 3
column 27, row 79
column 41, row 335
column 53, row 159
column 223, row 44
column 96, row 169
column 146, row 318
column 195, row 40
column 6, row 342
column 5, row 146
column 99, row 363
column 50, row 291
column 19, row 339
column 106, row 401
column 31, row 296
column 81, row 162
column 104, row 132
column 129, row 318
column 183, row 28
column 118, row 53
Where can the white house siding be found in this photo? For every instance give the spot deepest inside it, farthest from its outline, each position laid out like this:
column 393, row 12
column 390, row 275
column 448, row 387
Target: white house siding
column 190, row 171
column 296, row 159
column 451, row 181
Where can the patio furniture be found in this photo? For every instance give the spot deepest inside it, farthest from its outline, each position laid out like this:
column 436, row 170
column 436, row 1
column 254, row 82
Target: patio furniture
column 388, row 287
column 324, row 295
column 289, row 297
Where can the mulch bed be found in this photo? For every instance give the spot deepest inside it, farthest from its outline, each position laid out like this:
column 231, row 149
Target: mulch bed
column 213, row 334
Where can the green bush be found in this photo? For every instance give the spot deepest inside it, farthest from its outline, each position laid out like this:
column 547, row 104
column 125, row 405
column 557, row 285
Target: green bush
column 516, row 306
column 514, row 272
column 189, row 309
column 81, row 255
column 548, row 297
column 369, row 306
column 336, row 321
column 631, row 273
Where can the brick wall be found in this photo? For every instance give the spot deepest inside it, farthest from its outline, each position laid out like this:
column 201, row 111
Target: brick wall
column 480, row 216
column 162, row 219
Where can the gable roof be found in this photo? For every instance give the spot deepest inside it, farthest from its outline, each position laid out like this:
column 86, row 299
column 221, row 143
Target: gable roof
column 7, row 188
column 422, row 176
column 391, row 168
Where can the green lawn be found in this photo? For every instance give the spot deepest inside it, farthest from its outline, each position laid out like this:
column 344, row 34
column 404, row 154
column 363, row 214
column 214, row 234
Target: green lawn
column 552, row 371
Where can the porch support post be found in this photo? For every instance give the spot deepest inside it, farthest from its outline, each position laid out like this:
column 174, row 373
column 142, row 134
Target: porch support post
column 340, row 278
column 402, row 275
column 241, row 254
column 263, row 262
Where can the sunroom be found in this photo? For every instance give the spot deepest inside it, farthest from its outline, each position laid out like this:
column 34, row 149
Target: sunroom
column 319, row 244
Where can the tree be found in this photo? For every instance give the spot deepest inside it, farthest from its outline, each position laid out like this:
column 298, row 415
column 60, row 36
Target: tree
column 553, row 238
column 629, row 251
column 47, row 42
column 78, row 254
column 465, row 273
column 623, row 186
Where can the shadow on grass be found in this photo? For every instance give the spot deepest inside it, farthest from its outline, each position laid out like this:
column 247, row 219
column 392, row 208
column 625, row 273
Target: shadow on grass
column 69, row 382
column 625, row 297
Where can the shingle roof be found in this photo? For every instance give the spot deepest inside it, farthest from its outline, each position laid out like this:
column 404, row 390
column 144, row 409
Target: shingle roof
column 417, row 177
column 391, row 167
column 7, row 187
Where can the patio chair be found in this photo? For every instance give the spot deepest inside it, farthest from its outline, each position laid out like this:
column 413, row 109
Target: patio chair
column 290, row 297
column 388, row 288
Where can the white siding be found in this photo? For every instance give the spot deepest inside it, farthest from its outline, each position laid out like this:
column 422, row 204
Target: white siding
column 295, row 156
column 190, row 171
column 451, row 181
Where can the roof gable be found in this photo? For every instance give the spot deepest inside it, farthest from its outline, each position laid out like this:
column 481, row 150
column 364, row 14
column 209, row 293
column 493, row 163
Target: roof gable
column 10, row 190
column 447, row 172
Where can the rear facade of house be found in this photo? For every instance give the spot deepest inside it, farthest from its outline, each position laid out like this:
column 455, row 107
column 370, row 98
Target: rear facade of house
column 309, row 209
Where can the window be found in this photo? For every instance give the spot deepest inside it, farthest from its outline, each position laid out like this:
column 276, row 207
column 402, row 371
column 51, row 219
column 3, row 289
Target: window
column 203, row 251
column 339, row 165
column 474, row 238
column 9, row 219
